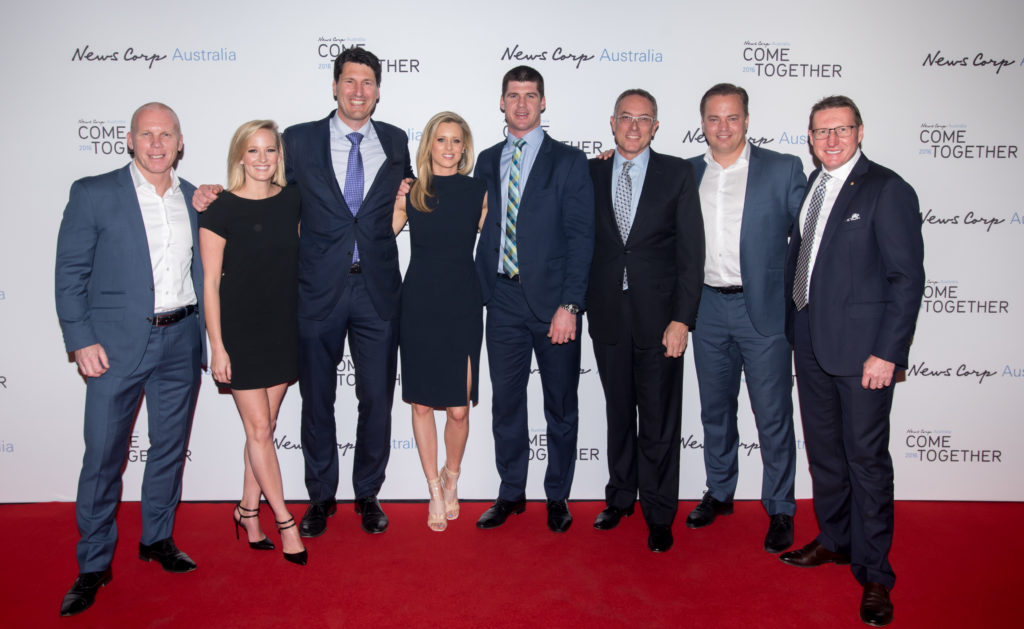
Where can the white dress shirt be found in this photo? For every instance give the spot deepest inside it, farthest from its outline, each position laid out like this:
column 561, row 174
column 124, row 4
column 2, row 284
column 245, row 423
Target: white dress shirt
column 723, row 191
column 169, row 234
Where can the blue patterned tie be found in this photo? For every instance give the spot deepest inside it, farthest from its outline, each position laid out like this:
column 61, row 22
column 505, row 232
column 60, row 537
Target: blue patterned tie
column 510, row 261
column 354, row 183
column 803, row 260
column 623, row 206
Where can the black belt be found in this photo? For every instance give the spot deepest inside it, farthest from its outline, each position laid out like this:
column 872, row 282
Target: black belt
column 356, row 268
column 511, row 278
column 174, row 316
column 726, row 290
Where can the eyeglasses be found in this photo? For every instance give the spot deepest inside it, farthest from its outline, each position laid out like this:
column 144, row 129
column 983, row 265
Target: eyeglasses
column 841, row 132
column 643, row 121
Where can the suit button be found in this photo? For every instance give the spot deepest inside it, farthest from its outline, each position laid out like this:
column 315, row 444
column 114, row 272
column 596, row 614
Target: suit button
column 355, row 220
column 627, row 251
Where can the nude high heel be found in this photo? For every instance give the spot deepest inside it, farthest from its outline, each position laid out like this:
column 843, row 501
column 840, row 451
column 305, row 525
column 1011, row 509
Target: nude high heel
column 449, row 482
column 436, row 513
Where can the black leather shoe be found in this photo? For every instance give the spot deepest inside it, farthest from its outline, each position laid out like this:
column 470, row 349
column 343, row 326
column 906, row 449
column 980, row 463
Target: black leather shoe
column 706, row 512
column 780, row 533
column 83, row 592
column 170, row 558
column 314, row 522
column 499, row 512
column 374, row 520
column 813, row 555
column 659, row 538
column 875, row 606
column 609, row 518
column 559, row 518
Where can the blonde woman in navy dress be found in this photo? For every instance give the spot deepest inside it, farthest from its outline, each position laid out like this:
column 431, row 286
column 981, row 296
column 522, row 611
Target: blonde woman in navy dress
column 441, row 326
column 249, row 242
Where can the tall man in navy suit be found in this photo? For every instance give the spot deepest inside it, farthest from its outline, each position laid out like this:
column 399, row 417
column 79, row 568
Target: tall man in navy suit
column 749, row 197
column 348, row 169
column 129, row 289
column 854, row 282
column 533, row 258
column 643, row 297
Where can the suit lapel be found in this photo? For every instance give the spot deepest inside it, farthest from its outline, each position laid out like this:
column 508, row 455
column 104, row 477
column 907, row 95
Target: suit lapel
column 322, row 138
column 849, row 190
column 134, row 223
column 540, row 172
column 385, row 143
column 755, row 184
column 648, row 194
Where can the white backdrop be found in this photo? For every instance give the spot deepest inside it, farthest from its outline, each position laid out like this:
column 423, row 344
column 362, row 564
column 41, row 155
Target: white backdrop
column 940, row 85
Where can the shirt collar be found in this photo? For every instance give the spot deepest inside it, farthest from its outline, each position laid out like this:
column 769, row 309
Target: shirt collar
column 139, row 180
column 533, row 138
column 639, row 162
column 341, row 129
column 742, row 160
column 840, row 174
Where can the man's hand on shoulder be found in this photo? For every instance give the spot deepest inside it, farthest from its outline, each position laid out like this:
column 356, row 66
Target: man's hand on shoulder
column 405, row 187
column 205, row 195
column 92, row 361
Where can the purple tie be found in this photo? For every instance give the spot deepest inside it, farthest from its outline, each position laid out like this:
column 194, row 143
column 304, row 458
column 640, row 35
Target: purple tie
column 354, row 182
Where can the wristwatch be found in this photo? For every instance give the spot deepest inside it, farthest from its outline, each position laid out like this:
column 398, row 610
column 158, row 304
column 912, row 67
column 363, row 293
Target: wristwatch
column 570, row 308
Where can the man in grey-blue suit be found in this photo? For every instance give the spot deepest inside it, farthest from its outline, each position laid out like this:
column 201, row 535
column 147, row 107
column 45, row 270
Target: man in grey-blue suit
column 129, row 291
column 749, row 198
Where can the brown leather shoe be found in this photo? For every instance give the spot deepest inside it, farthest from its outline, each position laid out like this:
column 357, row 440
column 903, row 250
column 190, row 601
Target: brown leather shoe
column 812, row 555
column 875, row 606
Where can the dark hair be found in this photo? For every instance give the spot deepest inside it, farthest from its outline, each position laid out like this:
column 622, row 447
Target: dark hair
column 523, row 74
column 637, row 92
column 357, row 55
column 726, row 89
column 835, row 102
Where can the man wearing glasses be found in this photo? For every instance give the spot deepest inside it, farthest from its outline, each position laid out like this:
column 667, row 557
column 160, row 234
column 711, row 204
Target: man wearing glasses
column 749, row 197
column 643, row 294
column 855, row 278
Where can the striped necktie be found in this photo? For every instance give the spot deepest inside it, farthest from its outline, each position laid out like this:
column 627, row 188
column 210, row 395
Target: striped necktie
column 803, row 260
column 510, row 260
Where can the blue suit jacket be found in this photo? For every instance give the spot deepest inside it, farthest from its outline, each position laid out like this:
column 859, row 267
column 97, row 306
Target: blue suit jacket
column 554, row 229
column 328, row 227
column 868, row 278
column 104, row 277
column 775, row 188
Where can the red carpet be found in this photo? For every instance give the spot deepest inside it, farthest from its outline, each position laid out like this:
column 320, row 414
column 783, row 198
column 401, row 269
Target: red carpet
column 957, row 565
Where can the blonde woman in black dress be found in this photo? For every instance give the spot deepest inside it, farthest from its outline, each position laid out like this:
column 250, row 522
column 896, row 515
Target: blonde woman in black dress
column 249, row 242
column 441, row 326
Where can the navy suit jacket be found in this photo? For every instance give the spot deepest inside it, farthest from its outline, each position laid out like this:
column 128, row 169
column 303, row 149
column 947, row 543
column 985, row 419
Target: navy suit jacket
column 868, row 278
column 664, row 254
column 554, row 228
column 328, row 227
column 775, row 189
column 104, row 277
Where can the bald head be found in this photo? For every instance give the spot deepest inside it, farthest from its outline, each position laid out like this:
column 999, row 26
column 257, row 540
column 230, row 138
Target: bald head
column 158, row 107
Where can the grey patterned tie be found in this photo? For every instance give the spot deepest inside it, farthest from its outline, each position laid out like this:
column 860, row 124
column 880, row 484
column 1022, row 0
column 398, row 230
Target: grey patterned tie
column 803, row 260
column 623, row 204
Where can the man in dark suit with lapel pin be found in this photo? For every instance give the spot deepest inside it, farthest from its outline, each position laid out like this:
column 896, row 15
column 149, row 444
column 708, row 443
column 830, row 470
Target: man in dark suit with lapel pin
column 855, row 279
column 749, row 199
column 643, row 297
column 533, row 258
column 129, row 290
column 348, row 169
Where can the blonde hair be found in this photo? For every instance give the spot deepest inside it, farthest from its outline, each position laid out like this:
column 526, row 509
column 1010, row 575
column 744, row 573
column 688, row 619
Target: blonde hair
column 423, row 188
column 240, row 141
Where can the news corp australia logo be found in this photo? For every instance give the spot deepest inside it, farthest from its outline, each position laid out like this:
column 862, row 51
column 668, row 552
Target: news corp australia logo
column 778, row 60
column 939, row 59
column 150, row 58
column 328, row 47
column 577, row 58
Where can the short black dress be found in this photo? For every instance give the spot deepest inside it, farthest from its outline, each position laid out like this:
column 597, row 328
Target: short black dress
column 259, row 285
column 441, row 324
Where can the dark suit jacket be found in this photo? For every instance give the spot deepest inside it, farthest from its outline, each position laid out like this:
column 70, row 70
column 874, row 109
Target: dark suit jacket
column 775, row 189
column 554, row 229
column 104, row 277
column 868, row 279
column 328, row 227
column 664, row 254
